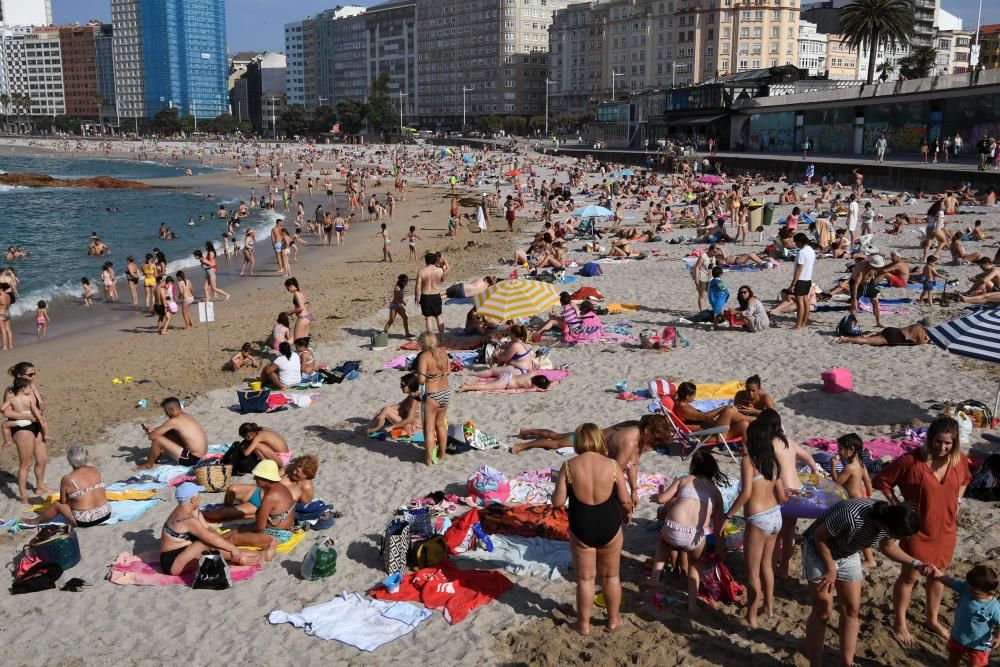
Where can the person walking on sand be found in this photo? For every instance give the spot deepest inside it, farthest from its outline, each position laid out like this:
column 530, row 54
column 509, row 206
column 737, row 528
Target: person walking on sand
column 180, row 436
column 397, row 306
column 427, row 291
column 276, row 243
column 411, row 239
column 383, row 234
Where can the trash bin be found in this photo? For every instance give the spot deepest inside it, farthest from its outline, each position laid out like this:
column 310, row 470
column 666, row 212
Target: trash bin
column 756, row 215
column 768, row 213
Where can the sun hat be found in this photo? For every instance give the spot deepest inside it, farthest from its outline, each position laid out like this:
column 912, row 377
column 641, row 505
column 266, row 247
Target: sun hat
column 876, row 261
column 267, row 470
column 186, row 491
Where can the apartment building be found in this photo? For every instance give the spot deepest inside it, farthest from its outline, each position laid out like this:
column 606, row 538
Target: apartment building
column 954, row 50
column 631, row 45
column 391, row 50
column 88, row 71
column 295, row 91
column 842, row 60
column 32, row 66
column 265, row 90
column 812, row 49
column 989, row 45
column 26, row 12
column 326, row 57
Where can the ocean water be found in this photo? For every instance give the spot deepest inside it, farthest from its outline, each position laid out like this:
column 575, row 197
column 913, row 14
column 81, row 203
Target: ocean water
column 54, row 224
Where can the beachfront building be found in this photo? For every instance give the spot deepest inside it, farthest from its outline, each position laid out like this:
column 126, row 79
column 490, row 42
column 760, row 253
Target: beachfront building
column 239, row 102
column 989, row 45
column 265, row 91
column 326, row 56
column 88, row 72
column 391, row 50
column 170, row 53
column 633, row 45
column 842, row 60
column 294, row 75
column 954, row 48
column 32, row 70
column 26, row 12
column 812, row 49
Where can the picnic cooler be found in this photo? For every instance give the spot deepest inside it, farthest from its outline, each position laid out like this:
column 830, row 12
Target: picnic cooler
column 58, row 545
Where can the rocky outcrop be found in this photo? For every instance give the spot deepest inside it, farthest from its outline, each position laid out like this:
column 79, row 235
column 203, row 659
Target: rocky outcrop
column 31, row 180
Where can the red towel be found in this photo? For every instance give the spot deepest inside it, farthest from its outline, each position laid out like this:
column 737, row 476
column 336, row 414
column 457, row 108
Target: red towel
column 455, row 593
column 526, row 521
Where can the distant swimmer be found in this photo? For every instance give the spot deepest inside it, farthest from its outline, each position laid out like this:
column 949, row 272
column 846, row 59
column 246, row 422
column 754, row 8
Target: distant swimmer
column 165, row 232
column 111, row 209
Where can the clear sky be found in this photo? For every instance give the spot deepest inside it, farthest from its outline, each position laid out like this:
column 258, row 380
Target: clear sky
column 258, row 25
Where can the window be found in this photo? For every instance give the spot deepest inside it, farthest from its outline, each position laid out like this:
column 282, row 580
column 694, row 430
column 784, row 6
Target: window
column 745, row 15
column 743, row 64
column 776, row 15
column 774, row 32
column 757, row 33
column 727, row 17
column 744, row 32
column 758, row 15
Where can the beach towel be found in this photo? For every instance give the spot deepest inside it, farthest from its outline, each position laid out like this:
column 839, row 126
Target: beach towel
column 525, row 556
column 554, row 376
column 455, row 593
column 355, row 620
column 132, row 491
column 725, row 390
column 938, row 285
column 284, row 548
column 616, row 308
column 531, row 493
column 129, row 570
column 164, row 474
column 526, row 521
column 129, row 510
column 878, row 447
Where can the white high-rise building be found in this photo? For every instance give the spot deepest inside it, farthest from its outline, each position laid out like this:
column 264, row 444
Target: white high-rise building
column 26, row 12
column 295, row 89
column 32, row 64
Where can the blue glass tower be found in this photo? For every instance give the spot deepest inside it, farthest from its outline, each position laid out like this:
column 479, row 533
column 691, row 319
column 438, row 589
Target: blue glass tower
column 184, row 53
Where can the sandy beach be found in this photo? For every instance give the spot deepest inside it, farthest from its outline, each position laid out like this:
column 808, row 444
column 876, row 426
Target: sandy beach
column 368, row 479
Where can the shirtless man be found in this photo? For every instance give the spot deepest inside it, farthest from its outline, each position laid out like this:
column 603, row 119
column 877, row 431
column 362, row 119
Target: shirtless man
column 276, row 243
column 469, row 289
column 896, row 272
column 180, row 436
column 243, row 500
column 915, row 334
column 864, row 277
column 987, row 281
column 427, row 291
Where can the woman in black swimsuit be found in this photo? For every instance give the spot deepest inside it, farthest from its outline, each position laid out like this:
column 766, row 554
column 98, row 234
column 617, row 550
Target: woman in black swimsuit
column 599, row 505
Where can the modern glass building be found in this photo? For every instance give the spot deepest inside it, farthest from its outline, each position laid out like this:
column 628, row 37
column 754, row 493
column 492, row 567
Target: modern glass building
column 171, row 53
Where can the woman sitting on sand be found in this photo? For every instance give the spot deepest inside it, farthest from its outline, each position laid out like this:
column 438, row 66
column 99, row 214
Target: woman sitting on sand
column 915, row 334
column 507, row 381
column 958, row 254
column 274, row 520
column 280, row 332
column 243, row 500
column 515, row 355
column 405, row 414
column 284, row 371
column 82, row 500
column 696, row 420
column 754, row 314
column 599, row 505
column 186, row 535
column 264, row 443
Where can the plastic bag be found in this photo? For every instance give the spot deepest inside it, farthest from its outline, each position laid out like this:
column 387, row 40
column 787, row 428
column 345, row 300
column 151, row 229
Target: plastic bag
column 321, row 561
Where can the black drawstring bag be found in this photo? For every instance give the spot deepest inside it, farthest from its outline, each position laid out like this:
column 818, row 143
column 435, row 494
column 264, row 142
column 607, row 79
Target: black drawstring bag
column 213, row 572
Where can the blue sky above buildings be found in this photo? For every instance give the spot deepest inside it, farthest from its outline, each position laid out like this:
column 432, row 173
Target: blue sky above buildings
column 259, row 24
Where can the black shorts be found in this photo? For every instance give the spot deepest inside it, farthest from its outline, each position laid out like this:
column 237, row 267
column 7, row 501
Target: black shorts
column 869, row 290
column 430, row 305
column 160, row 310
column 187, row 459
column 802, row 288
column 895, row 336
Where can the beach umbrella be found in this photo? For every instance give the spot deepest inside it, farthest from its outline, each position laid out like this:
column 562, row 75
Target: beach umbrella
column 626, row 172
column 467, row 159
column 512, row 299
column 593, row 212
column 976, row 335
column 713, row 180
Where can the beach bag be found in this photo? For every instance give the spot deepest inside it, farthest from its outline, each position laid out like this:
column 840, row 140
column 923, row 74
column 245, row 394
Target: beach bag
column 321, row 561
column 837, row 380
column 848, row 326
column 668, row 339
column 461, row 535
column 428, row 553
column 486, row 352
column 380, row 341
column 57, row 544
column 253, row 401
column 482, row 440
column 37, row 576
column 420, row 521
column 965, row 427
column 240, row 463
column 717, row 582
column 590, row 270
column 985, row 485
column 661, row 388
column 981, row 414
column 213, row 572
column 648, row 339
column 489, row 486
column 214, row 475
column 395, row 544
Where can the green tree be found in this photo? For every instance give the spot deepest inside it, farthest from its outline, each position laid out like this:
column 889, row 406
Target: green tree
column 919, row 63
column 187, row 124
column 869, row 24
column 245, row 128
column 323, row 119
column 515, row 125
column 224, row 123
column 351, row 114
column 536, row 123
column 490, row 124
column 381, row 115
column 44, row 123
column 292, row 121
column 167, row 122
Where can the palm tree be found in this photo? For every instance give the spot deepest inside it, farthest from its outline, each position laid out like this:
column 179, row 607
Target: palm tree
column 921, row 61
column 869, row 24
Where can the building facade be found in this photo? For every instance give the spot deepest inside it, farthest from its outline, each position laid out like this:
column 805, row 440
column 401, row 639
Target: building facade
column 989, row 46
column 812, row 49
column 88, row 71
column 265, row 91
column 170, row 53
column 842, row 60
column 33, row 67
column 26, row 12
column 391, row 50
column 294, row 70
column 954, row 49
column 326, row 57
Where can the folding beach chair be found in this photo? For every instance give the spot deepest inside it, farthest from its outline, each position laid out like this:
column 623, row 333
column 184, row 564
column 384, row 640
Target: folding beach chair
column 695, row 440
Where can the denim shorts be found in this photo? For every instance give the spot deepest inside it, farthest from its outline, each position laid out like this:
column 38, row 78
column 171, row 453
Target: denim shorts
column 813, row 567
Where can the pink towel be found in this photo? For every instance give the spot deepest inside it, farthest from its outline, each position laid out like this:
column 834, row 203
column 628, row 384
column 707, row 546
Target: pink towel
column 878, row 447
column 129, row 570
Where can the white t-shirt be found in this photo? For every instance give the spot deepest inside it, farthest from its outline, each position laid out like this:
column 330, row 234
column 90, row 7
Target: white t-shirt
column 289, row 370
column 806, row 259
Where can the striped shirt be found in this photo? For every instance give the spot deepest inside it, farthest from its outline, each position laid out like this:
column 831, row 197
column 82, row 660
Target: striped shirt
column 851, row 524
column 572, row 318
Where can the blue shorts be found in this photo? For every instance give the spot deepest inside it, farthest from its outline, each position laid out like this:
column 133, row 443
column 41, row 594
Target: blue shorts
column 813, row 567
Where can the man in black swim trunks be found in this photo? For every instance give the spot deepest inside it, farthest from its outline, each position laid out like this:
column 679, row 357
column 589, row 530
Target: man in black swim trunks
column 427, row 291
column 180, row 436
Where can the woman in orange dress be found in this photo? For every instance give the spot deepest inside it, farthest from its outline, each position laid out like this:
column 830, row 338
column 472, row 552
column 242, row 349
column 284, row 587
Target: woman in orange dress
column 931, row 480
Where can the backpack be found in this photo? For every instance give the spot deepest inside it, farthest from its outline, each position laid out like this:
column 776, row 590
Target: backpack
column 590, row 270
column 427, row 553
column 321, row 561
column 848, row 326
column 486, row 352
column 241, row 463
column 38, row 577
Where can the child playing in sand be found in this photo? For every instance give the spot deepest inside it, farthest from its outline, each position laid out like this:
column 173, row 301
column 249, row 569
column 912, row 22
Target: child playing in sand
column 928, row 274
column 244, row 358
column 867, row 219
column 386, row 243
column 411, row 239
column 42, row 320
column 398, row 305
column 718, row 295
column 88, row 292
column 977, row 617
column 853, row 476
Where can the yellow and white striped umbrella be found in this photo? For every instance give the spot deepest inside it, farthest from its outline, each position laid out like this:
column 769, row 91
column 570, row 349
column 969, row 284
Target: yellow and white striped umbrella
column 511, row 299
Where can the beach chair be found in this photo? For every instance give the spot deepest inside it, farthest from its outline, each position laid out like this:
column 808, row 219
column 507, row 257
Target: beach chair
column 695, row 440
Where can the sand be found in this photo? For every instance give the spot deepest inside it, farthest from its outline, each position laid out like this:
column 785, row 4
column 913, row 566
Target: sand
column 367, row 479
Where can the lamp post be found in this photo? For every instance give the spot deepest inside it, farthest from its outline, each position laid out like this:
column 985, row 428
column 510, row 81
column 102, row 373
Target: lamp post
column 464, row 90
column 401, row 96
column 974, row 59
column 547, row 82
column 614, row 75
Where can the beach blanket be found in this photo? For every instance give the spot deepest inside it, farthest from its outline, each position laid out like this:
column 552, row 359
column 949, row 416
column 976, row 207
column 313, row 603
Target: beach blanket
column 726, row 390
column 163, row 474
column 283, row 548
column 404, row 360
column 878, row 447
column 355, row 620
column 455, row 593
column 525, row 556
column 526, row 521
column 615, row 260
column 616, row 308
column 129, row 570
column 132, row 491
column 530, row 493
column 938, row 285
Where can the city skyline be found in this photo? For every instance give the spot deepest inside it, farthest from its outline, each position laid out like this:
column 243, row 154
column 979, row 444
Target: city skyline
column 246, row 32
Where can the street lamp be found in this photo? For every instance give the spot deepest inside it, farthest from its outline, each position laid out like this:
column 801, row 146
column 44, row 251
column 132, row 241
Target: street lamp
column 547, row 82
column 974, row 59
column 464, row 90
column 614, row 74
column 401, row 96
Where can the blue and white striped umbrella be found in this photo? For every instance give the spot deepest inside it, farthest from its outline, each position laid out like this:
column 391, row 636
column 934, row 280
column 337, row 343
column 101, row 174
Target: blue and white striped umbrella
column 810, row 170
column 976, row 335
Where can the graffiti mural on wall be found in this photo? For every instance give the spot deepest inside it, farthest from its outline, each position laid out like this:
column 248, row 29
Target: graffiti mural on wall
column 907, row 137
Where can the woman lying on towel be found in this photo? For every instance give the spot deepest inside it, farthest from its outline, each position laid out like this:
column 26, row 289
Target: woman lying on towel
column 508, row 381
column 915, row 334
column 405, row 414
column 696, row 420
